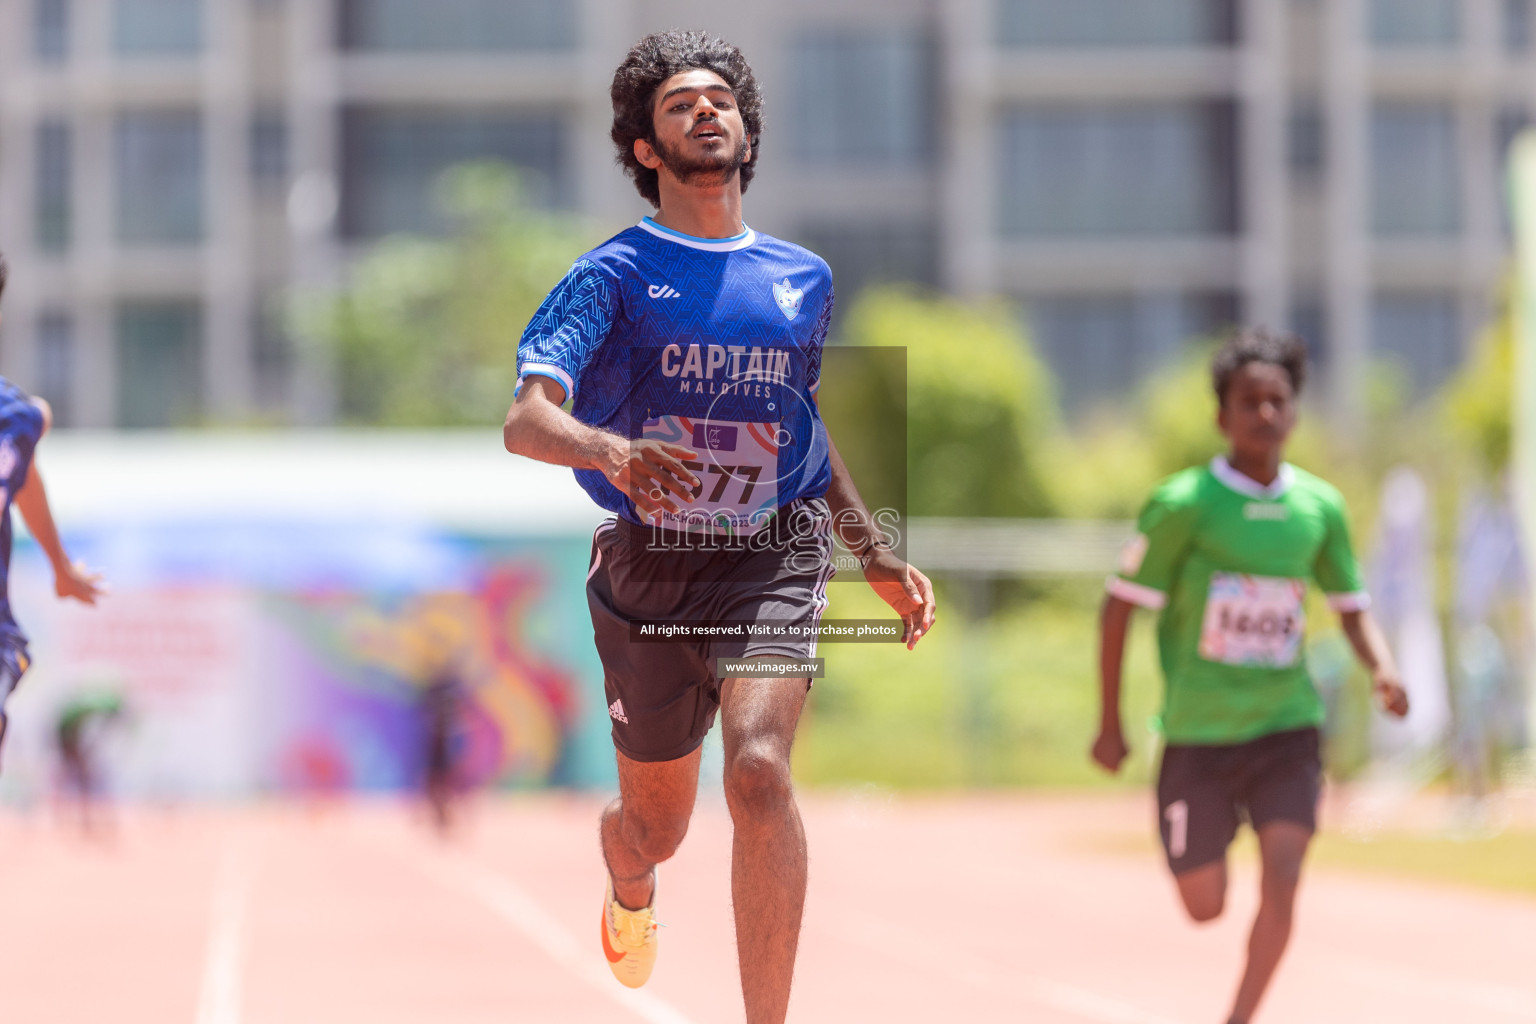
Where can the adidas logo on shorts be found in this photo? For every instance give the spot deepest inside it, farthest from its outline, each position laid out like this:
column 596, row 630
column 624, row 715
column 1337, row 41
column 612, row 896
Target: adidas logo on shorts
column 616, row 712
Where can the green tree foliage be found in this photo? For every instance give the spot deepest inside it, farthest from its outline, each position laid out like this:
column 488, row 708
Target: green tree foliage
column 425, row 332
column 1106, row 467
column 979, row 404
column 1478, row 403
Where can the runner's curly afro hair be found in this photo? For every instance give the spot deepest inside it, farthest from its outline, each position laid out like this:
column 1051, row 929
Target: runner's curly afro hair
column 1257, row 345
column 5, row 272
column 651, row 62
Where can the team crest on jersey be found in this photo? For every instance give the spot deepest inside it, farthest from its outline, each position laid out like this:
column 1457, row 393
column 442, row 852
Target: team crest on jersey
column 788, row 297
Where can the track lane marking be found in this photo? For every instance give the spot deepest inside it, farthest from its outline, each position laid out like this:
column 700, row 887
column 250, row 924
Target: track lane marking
column 219, row 996
column 1047, row 992
column 508, row 901
column 1389, row 976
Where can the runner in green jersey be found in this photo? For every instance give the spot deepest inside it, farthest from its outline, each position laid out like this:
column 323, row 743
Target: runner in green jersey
column 1224, row 553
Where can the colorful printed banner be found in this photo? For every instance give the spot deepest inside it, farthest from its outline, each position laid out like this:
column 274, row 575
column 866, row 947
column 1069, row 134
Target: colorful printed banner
column 269, row 656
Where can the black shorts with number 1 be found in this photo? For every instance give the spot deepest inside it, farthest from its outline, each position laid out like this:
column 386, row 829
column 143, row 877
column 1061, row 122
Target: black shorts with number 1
column 1204, row 792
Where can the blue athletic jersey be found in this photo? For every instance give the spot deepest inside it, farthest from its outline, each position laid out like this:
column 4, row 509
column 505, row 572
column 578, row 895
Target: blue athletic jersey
column 21, row 424
column 712, row 343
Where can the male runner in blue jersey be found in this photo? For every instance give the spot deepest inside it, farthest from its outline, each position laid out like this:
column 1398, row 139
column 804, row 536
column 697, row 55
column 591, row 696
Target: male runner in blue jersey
column 691, row 347
column 23, row 422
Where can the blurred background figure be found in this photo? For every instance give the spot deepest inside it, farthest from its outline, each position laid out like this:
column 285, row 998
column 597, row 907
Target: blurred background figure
column 1404, row 594
column 441, row 743
column 84, row 788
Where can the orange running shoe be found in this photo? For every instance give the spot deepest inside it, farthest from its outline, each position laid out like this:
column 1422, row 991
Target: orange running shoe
column 629, row 939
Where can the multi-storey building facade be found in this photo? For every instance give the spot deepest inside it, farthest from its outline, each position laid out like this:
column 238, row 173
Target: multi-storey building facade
column 1134, row 172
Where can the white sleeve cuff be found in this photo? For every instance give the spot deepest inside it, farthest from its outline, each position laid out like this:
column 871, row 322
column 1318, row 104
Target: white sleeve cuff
column 1358, row 601
column 1135, row 593
column 546, row 370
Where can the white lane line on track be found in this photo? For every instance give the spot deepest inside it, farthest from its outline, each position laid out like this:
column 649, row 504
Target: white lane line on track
column 1468, row 994
column 219, row 998
column 1046, row 992
column 507, row 900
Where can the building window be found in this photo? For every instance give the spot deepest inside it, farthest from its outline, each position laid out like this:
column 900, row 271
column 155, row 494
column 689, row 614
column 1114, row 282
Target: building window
column 269, row 149
column 457, row 26
column 159, row 177
column 1421, row 333
column 1309, row 322
column 271, row 355
column 50, row 30
column 1517, row 25
column 864, row 254
column 1122, row 170
column 1414, row 189
column 159, row 362
column 55, row 363
column 157, row 27
column 1110, row 23
column 1103, row 346
column 392, row 159
column 863, row 98
column 54, row 176
column 1305, row 140
column 1415, row 23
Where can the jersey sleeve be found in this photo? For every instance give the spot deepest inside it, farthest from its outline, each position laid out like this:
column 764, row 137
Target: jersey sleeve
column 572, row 321
column 1150, row 561
column 818, row 341
column 1337, row 571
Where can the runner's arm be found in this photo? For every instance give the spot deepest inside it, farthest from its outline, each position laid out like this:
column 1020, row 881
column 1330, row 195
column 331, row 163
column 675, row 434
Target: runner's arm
column 899, row 584
column 70, row 579
column 1109, row 749
column 646, row 470
column 1370, row 646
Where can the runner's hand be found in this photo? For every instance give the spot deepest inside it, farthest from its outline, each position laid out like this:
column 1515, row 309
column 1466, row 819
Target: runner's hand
column 652, row 473
column 73, row 579
column 1390, row 695
column 1109, row 750
column 905, row 589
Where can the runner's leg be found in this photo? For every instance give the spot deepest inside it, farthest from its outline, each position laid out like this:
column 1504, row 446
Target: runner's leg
column 647, row 822
column 768, row 854
column 1282, row 845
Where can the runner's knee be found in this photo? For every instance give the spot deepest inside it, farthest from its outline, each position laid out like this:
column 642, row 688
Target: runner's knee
column 1204, row 909
column 654, row 841
column 757, row 779
column 1203, row 903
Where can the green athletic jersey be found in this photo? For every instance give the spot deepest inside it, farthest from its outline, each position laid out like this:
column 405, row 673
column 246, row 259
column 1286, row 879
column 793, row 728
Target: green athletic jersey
column 1226, row 562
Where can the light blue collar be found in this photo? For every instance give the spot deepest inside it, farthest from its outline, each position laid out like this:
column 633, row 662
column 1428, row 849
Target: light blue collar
column 735, row 242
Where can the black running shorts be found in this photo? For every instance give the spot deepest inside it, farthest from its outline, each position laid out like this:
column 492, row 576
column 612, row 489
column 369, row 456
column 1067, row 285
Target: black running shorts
column 1203, row 792
column 663, row 695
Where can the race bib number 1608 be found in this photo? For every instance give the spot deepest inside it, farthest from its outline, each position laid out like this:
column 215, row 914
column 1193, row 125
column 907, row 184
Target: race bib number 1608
column 1253, row 620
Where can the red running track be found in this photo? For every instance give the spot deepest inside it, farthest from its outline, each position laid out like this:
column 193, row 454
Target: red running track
column 1007, row 908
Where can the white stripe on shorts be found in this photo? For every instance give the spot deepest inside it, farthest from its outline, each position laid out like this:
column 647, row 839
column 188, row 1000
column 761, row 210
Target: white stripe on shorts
column 597, row 552
column 828, row 569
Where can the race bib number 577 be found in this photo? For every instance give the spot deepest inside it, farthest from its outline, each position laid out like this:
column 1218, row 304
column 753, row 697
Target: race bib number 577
column 738, row 471
column 1253, row 620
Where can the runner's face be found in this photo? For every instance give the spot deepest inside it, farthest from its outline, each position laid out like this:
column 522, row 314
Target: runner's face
column 700, row 139
column 1259, row 410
